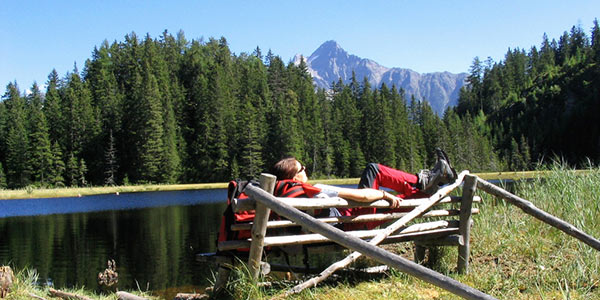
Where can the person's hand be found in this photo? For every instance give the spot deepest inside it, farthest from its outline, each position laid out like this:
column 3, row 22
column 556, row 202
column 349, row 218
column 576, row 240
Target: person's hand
column 393, row 200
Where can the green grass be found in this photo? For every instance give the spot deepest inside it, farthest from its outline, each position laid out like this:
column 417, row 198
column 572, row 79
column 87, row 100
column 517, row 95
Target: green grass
column 25, row 287
column 513, row 255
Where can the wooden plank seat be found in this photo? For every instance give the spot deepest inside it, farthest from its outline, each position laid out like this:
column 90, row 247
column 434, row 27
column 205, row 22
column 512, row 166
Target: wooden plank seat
column 438, row 220
column 438, row 226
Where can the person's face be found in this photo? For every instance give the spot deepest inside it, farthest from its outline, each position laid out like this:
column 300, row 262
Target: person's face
column 301, row 173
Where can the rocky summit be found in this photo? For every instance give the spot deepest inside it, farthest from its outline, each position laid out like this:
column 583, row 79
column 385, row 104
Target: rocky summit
column 330, row 62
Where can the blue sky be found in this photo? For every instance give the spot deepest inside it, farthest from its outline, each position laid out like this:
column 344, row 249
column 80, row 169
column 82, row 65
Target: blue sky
column 426, row 36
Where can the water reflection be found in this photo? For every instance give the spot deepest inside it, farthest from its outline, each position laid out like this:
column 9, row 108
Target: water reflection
column 153, row 247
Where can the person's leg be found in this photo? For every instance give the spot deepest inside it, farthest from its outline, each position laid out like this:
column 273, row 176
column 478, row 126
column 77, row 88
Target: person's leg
column 378, row 175
column 375, row 176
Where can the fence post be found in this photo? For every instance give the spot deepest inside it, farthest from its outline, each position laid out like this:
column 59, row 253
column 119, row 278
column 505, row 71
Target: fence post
column 259, row 228
column 464, row 227
column 338, row 236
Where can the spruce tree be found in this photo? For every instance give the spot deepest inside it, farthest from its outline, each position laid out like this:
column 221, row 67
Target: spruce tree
column 40, row 158
column 251, row 149
column 72, row 170
column 17, row 141
column 54, row 110
column 401, row 129
column 82, row 173
column 2, row 177
column 151, row 134
column 162, row 59
column 110, row 161
column 82, row 126
column 56, row 176
column 595, row 42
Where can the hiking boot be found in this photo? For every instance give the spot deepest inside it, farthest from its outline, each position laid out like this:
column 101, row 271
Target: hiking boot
column 449, row 174
column 442, row 173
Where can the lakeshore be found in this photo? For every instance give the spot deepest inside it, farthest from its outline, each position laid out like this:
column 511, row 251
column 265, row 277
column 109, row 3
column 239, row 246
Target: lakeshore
column 30, row 193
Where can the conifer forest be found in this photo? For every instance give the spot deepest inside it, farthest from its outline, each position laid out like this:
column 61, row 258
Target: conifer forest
column 170, row 110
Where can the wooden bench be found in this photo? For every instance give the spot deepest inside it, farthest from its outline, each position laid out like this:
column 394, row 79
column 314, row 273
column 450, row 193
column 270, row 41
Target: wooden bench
column 440, row 220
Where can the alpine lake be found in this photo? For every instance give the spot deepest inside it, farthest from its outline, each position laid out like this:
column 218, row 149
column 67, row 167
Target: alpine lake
column 153, row 238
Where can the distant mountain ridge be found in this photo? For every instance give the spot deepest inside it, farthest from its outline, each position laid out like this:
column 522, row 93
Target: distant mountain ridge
column 330, row 62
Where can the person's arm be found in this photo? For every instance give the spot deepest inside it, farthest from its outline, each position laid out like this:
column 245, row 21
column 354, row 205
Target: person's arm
column 368, row 195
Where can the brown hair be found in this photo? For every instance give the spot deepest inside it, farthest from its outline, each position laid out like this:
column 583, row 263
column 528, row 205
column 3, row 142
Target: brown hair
column 285, row 168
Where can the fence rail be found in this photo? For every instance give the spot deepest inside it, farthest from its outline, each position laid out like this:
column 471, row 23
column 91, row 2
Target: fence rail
column 440, row 232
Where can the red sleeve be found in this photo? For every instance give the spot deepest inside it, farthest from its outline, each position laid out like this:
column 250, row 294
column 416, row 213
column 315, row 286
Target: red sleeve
column 310, row 190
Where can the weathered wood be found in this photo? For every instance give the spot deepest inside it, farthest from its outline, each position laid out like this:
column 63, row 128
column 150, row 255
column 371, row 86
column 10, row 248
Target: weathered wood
column 432, row 200
column 34, row 296
column 259, row 229
column 319, row 203
column 185, row 296
column 445, row 240
column 469, row 187
column 430, row 235
column 314, row 238
column 225, row 265
column 65, row 295
column 356, row 219
column 359, row 245
column 128, row 296
column 539, row 214
column 419, row 255
column 304, row 269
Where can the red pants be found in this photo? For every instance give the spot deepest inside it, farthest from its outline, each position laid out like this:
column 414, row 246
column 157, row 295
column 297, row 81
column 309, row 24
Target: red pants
column 376, row 176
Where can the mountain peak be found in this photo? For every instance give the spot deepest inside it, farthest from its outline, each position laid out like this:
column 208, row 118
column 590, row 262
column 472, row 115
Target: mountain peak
column 330, row 63
column 331, row 44
column 331, row 48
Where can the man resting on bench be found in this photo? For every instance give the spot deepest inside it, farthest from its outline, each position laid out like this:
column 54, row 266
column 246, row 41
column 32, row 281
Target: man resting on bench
column 292, row 182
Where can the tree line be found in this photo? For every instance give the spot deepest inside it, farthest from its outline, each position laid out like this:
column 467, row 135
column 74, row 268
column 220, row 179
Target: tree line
column 169, row 110
column 540, row 104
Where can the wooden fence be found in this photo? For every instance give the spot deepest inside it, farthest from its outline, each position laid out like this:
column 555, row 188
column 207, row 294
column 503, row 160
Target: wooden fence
column 452, row 228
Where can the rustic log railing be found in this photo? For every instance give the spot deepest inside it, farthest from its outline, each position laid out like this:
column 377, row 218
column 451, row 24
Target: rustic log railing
column 446, row 231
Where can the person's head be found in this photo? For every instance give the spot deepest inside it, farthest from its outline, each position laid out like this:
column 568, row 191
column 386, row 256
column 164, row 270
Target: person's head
column 290, row 168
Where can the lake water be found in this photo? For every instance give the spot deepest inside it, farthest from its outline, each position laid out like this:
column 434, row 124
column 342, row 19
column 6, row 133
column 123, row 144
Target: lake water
column 153, row 238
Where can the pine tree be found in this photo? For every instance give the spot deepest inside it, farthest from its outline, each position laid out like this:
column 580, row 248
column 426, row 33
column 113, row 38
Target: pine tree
column 82, row 173
column 516, row 159
column 56, row 177
column 82, row 125
column 251, row 149
column 110, row 161
column 4, row 118
column 17, row 142
column 162, row 59
column 401, row 129
column 72, row 170
column 432, row 129
column 2, row 177
column 308, row 115
column 525, row 152
column 53, row 110
column 108, row 98
column 595, row 42
column 274, row 116
column 151, row 142
column 40, row 158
